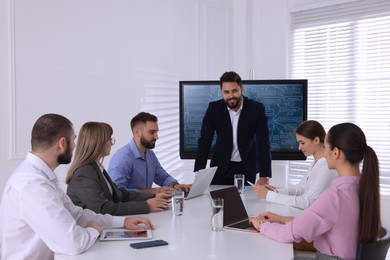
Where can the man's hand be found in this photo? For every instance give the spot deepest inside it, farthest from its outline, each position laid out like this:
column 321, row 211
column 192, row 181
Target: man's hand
column 133, row 223
column 262, row 181
column 95, row 225
column 183, row 187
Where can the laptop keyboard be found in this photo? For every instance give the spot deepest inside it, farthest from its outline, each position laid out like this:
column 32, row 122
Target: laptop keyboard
column 242, row 225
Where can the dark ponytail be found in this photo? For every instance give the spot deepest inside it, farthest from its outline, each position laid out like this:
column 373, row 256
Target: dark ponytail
column 351, row 140
column 369, row 198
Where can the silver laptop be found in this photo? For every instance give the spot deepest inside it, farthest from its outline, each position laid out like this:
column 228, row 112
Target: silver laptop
column 201, row 183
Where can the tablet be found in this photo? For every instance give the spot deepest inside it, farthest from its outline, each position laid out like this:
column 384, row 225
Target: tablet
column 125, row 234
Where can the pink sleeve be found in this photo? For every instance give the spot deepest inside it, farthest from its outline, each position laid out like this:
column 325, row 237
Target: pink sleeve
column 278, row 232
column 320, row 217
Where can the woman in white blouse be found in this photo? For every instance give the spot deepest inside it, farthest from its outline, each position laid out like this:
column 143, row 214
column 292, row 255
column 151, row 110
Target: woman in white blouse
column 310, row 136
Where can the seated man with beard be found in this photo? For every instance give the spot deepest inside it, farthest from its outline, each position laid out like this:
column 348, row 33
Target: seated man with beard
column 37, row 219
column 135, row 166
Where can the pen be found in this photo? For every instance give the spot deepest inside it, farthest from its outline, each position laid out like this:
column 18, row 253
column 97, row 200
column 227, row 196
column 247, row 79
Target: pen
column 272, row 189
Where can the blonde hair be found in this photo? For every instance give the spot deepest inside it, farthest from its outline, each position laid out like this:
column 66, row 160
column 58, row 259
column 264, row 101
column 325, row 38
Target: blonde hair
column 90, row 142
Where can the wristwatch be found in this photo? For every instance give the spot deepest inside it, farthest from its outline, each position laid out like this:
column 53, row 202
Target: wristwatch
column 174, row 184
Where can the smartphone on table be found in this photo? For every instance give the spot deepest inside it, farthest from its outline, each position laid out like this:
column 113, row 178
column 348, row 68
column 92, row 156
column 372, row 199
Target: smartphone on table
column 146, row 244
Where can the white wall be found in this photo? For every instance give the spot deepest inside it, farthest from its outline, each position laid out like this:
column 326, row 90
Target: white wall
column 106, row 61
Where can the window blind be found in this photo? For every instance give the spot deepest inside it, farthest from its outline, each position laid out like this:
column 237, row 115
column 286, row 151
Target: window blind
column 344, row 52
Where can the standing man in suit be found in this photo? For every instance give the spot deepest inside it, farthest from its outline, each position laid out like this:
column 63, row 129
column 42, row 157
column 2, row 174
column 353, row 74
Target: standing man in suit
column 242, row 144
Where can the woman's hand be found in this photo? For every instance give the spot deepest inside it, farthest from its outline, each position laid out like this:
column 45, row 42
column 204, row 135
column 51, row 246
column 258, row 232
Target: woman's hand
column 157, row 204
column 165, row 195
column 261, row 191
column 256, row 222
column 274, row 218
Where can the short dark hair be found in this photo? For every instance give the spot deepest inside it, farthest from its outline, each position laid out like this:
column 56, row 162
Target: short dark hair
column 230, row 76
column 48, row 129
column 142, row 117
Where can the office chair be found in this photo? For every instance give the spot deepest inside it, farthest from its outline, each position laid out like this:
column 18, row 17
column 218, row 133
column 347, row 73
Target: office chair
column 375, row 250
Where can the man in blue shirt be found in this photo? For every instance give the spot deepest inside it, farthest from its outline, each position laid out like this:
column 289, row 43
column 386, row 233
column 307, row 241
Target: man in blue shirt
column 135, row 166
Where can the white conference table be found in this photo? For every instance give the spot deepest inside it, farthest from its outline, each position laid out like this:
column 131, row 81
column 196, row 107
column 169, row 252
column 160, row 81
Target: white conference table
column 190, row 236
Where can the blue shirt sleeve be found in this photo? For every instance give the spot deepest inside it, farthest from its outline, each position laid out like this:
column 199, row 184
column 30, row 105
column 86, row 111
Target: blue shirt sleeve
column 121, row 169
column 161, row 177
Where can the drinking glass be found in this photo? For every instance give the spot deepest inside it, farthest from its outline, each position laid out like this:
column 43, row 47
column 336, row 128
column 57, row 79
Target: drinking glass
column 239, row 180
column 217, row 214
column 177, row 202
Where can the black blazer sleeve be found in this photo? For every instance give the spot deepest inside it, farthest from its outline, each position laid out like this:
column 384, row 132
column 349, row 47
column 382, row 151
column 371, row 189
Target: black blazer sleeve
column 205, row 139
column 89, row 189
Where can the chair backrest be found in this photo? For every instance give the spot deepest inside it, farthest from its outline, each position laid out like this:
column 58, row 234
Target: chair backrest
column 375, row 250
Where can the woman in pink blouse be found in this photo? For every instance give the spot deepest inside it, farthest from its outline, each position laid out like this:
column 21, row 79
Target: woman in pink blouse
column 349, row 208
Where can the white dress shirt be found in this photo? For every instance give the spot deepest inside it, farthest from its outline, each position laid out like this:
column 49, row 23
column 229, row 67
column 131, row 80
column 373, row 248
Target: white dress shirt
column 234, row 118
column 37, row 219
column 302, row 195
column 108, row 183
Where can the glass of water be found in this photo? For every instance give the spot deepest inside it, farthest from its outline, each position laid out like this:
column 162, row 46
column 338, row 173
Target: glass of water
column 217, row 214
column 177, row 202
column 239, row 180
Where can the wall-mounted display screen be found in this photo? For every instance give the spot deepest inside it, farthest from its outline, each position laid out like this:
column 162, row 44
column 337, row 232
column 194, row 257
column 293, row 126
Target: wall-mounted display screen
column 285, row 103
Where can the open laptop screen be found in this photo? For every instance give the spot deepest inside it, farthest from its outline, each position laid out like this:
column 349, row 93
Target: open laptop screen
column 202, row 182
column 234, row 209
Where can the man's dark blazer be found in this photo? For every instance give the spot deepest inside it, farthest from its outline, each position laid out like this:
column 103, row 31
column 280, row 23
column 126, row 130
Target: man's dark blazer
column 252, row 138
column 88, row 189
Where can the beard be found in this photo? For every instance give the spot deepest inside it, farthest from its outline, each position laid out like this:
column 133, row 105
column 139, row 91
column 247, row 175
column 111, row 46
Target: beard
column 66, row 156
column 148, row 144
column 235, row 104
